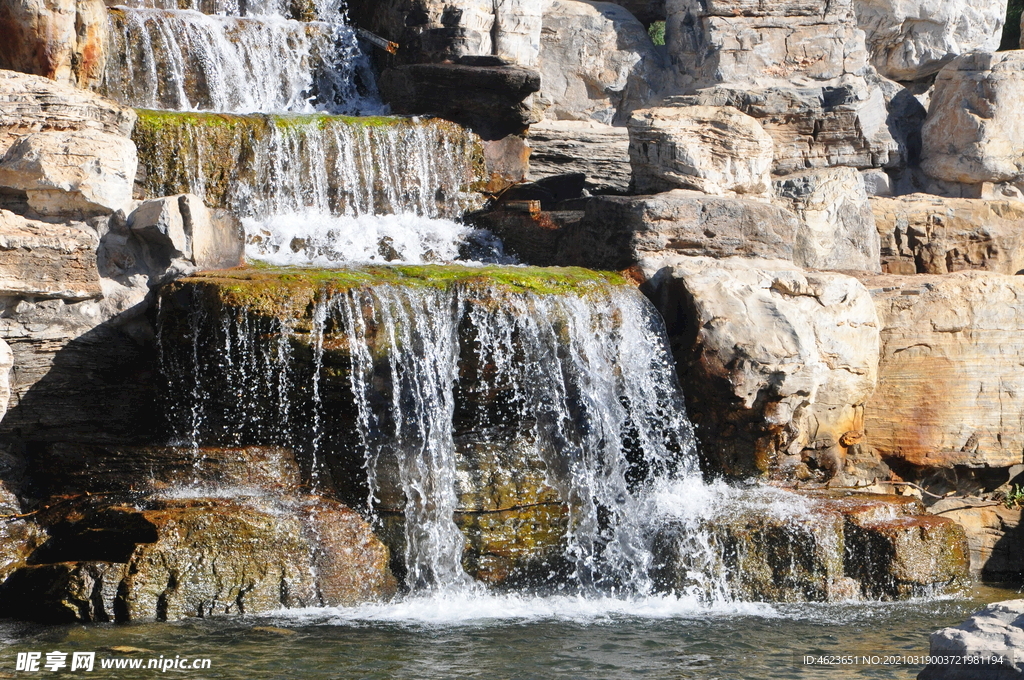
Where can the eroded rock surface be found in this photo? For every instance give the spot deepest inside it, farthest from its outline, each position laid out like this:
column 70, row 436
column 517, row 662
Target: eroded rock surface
column 64, row 40
column 41, row 259
column 601, row 152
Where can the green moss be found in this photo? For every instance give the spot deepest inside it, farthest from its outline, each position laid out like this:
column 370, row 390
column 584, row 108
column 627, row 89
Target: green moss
column 657, row 32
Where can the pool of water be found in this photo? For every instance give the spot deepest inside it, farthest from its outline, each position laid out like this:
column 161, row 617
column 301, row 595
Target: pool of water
column 509, row 637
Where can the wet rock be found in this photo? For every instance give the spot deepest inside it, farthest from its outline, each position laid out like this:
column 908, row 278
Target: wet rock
column 972, row 134
column 597, row 62
column 948, row 391
column 992, row 536
column 42, row 259
column 83, row 173
column 716, row 150
column 773, row 360
column 995, row 630
column 617, row 232
column 912, row 39
column 36, row 104
column 926, row 234
column 64, row 593
column 601, row 152
column 533, row 237
column 64, row 41
column 838, row 227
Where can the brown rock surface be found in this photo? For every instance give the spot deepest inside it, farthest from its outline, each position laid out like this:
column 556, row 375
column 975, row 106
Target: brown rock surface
column 993, row 536
column 41, row 259
column 63, row 40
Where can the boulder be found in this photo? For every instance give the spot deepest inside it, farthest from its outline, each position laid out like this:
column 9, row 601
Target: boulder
column 993, row 531
column 912, row 39
column 758, row 43
column 63, row 40
column 995, row 631
column 813, row 127
column 183, row 227
column 43, row 259
column 597, row 62
column 973, row 131
column 716, row 150
column 775, row 362
column 925, row 234
column 950, row 390
column 35, row 104
column 601, row 152
column 618, row 232
column 838, row 227
column 84, row 172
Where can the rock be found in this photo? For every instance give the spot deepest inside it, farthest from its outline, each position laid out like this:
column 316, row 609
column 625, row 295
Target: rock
column 972, row 133
column 992, row 536
column 756, row 43
column 517, row 31
column 950, row 389
column 716, row 150
column 646, row 11
column 926, row 234
column 183, row 227
column 177, row 559
column 618, row 232
column 159, row 223
column 601, row 152
column 773, row 360
column 838, row 227
column 813, row 127
column 6, row 364
column 597, row 62
column 72, row 173
column 488, row 99
column 34, row 104
column 533, row 237
column 996, row 630
column 912, row 39
column 64, row 40
column 42, row 259
column 877, row 183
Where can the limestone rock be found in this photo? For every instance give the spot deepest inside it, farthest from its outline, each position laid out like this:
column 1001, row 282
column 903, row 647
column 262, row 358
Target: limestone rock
column 6, row 364
column 973, row 132
column 912, row 39
column 814, row 127
column 622, row 231
column 42, row 259
column 64, row 40
column 517, row 30
column 597, row 62
column 998, row 629
column 35, row 104
column 72, row 173
column 601, row 152
column 992, row 530
column 927, row 234
column 950, row 388
column 773, row 360
column 183, row 227
column 758, row 43
column 716, row 150
column 838, row 227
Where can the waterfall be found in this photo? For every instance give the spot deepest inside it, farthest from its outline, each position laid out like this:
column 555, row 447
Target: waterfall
column 386, row 373
column 189, row 61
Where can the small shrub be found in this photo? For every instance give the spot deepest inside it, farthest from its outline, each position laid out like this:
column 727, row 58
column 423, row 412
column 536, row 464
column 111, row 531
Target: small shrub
column 657, row 29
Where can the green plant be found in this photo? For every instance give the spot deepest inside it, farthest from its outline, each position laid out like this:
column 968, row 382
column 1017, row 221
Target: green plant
column 657, row 30
column 1011, row 29
column 1015, row 497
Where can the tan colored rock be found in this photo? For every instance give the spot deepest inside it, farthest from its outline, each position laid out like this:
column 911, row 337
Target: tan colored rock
column 838, row 227
column 992, row 530
column 63, row 40
column 950, row 389
column 912, row 39
column 517, row 30
column 41, row 259
column 716, row 150
column 35, row 104
column 925, row 234
column 6, row 365
column 183, row 227
column 72, row 173
column 774, row 361
column 974, row 129
column 597, row 62
column 601, row 152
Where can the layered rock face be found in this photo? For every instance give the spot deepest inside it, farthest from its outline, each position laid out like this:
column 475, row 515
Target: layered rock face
column 600, row 152
column 912, row 39
column 64, row 41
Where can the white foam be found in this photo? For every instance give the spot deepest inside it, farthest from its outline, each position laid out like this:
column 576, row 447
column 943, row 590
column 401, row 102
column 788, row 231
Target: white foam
column 692, row 498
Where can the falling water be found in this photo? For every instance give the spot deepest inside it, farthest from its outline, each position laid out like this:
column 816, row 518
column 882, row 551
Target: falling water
column 295, row 9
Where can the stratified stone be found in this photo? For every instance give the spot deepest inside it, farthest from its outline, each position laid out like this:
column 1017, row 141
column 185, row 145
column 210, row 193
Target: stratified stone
column 925, row 234
column 601, row 152
column 6, row 364
column 622, row 231
column 716, row 150
column 996, row 630
column 996, row 553
column 912, row 39
column 837, row 225
column 35, row 104
column 950, row 389
column 42, row 259
column 597, row 62
column 974, row 129
column 72, row 173
column 774, row 361
column 64, row 40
